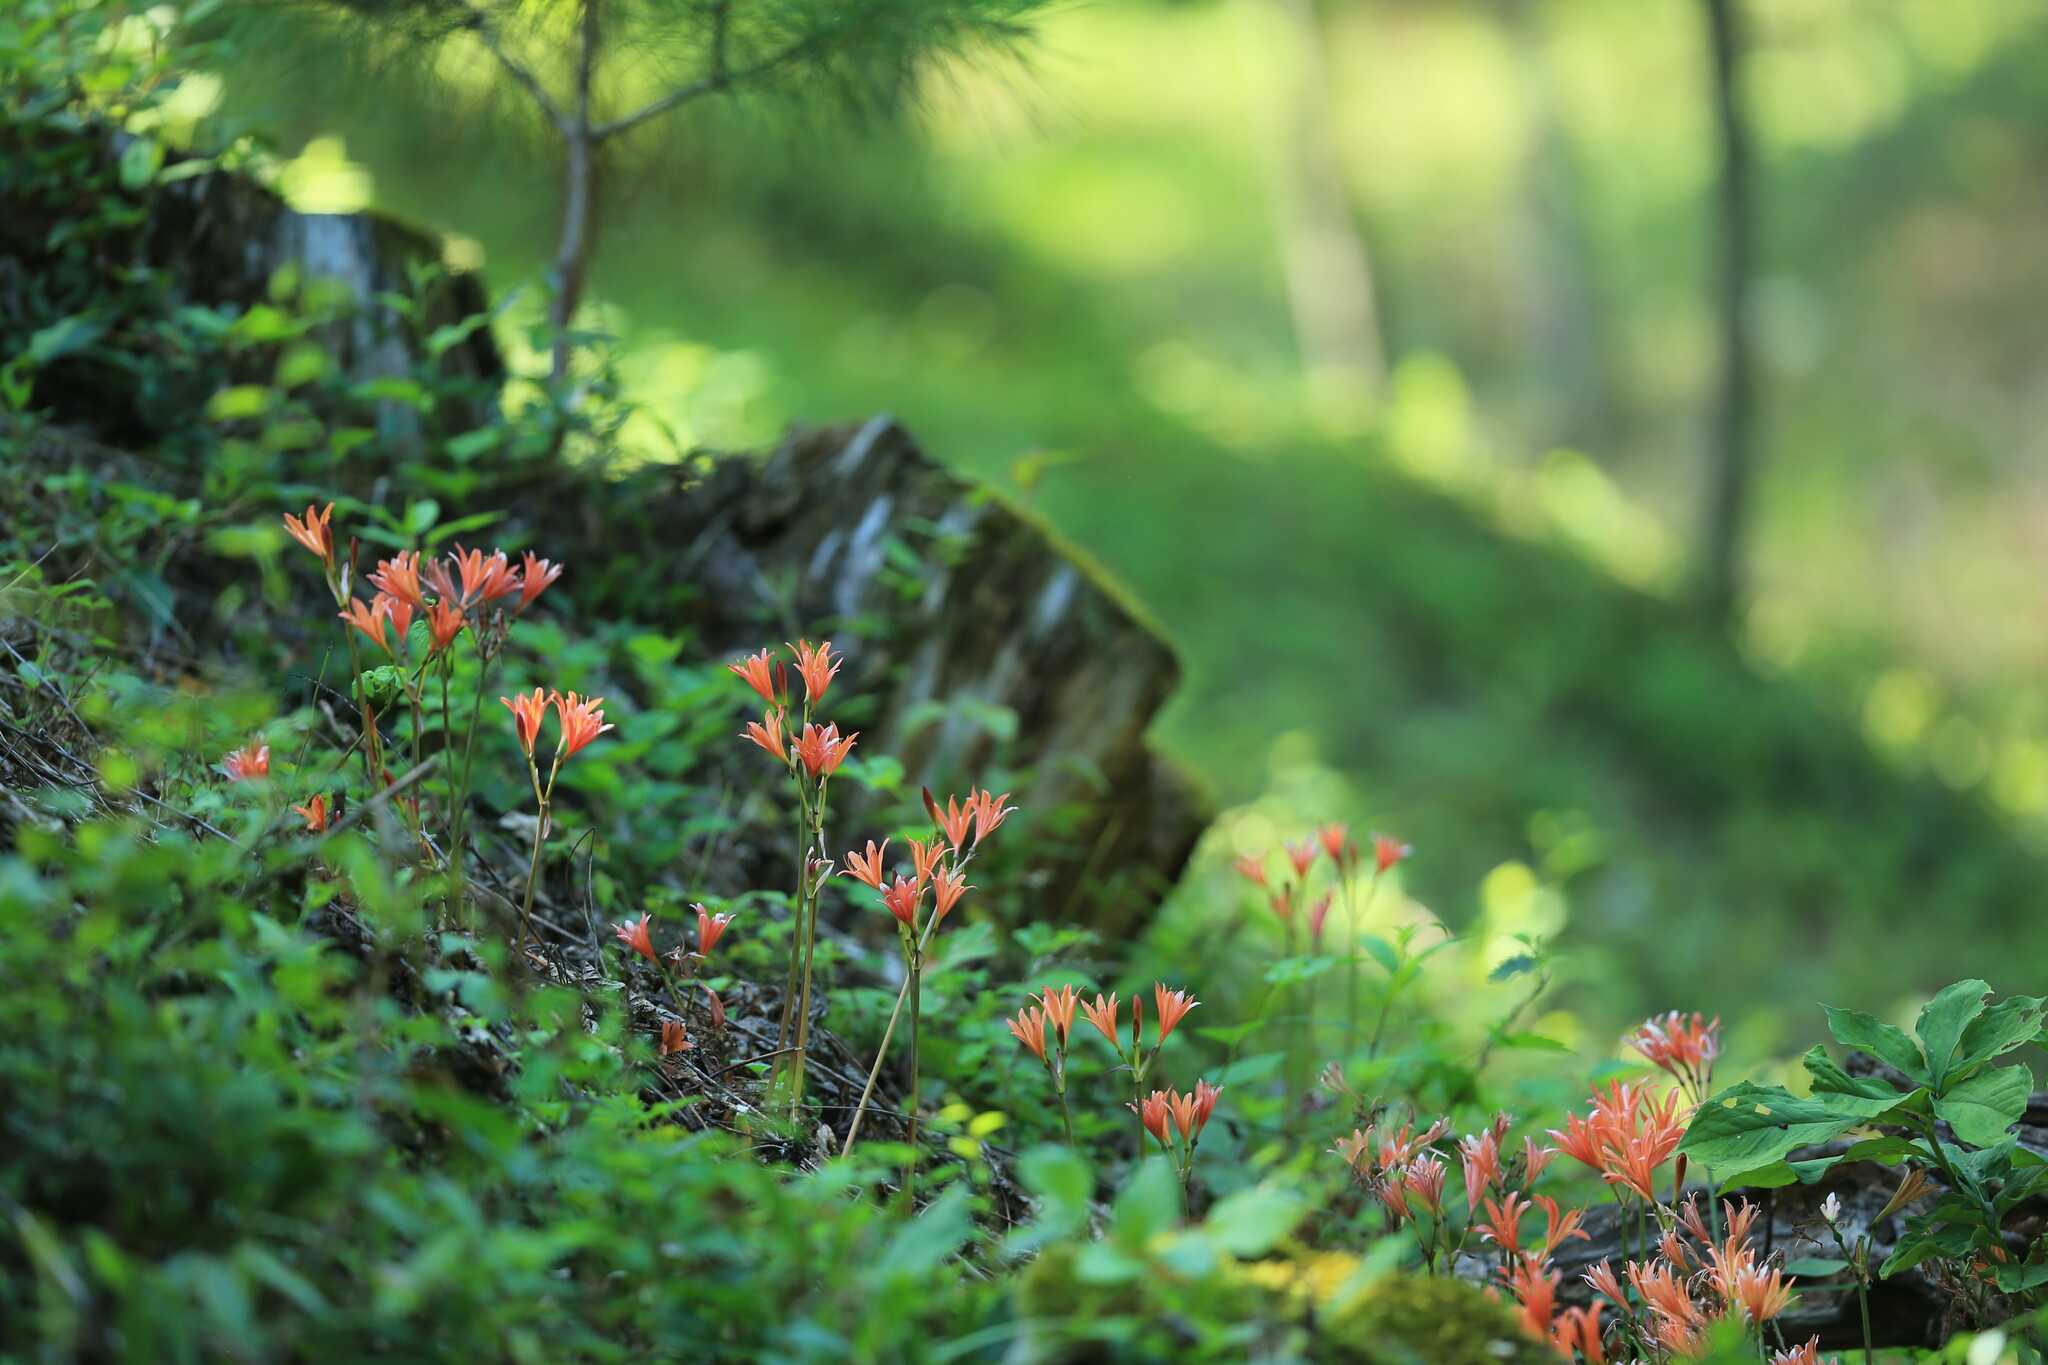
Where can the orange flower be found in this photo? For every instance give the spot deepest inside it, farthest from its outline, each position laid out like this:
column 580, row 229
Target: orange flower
column 925, row 857
column 1425, row 1182
column 1482, row 1167
column 1102, row 1014
column 767, row 732
column 1537, row 1294
column 368, row 617
column 1337, row 845
column 1173, row 1005
column 1282, row 902
column 822, row 751
column 444, row 624
column 1387, row 851
column 709, row 929
column 441, row 581
column 754, row 668
column 314, row 532
column 1578, row 1329
column 988, row 812
column 1205, row 1104
column 1029, row 1028
column 817, row 667
column 1601, row 1278
column 1809, row 1354
column 867, row 869
column 1059, row 1002
column 1355, row 1149
column 1684, row 1047
column 1302, row 855
column 1679, row 1319
column 398, row 612
column 1154, row 1116
column 947, row 888
column 536, row 578
column 1503, row 1225
column 903, row 896
column 1535, row 1159
column 1317, row 913
column 249, row 762
column 674, row 1038
column 638, row 937
column 1560, row 1226
column 315, row 813
column 399, row 576
column 484, row 579
column 527, row 711
column 954, row 820
column 1252, row 867
column 582, row 720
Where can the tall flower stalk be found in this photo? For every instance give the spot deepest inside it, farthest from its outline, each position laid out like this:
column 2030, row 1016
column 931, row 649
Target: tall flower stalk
column 580, row 720
column 1055, row 1006
column 810, row 753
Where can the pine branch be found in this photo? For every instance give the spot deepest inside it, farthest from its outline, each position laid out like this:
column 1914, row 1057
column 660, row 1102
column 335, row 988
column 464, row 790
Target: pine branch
column 478, row 21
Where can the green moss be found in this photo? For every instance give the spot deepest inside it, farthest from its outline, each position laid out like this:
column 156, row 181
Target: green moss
column 1406, row 1320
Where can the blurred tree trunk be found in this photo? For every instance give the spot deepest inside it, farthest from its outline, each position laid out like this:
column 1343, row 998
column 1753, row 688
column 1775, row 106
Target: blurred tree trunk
column 1330, row 291
column 1730, row 451
column 1563, row 340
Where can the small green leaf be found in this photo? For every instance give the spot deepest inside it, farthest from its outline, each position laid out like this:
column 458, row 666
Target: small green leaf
column 1941, row 1024
column 1815, row 1267
column 1984, row 1108
column 1515, row 966
column 1889, row 1044
column 1149, row 1203
column 1915, row 1247
column 243, row 400
column 1530, row 1042
column 1247, row 1068
column 1846, row 1094
column 2017, row 1279
column 140, row 161
column 2006, row 1025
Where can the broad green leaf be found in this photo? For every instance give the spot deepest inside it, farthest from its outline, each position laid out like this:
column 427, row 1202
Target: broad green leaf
column 1890, row 1045
column 2006, row 1025
column 1846, row 1094
column 1915, row 1247
column 1530, row 1042
column 1247, row 1068
column 1251, row 1222
column 1149, row 1203
column 1941, row 1024
column 1749, row 1127
column 2017, row 1279
column 1984, row 1108
column 1382, row 952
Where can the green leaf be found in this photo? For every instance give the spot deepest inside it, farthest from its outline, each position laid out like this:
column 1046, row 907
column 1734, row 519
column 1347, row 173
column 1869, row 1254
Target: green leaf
column 1530, row 1042
column 1846, row 1094
column 1815, row 1267
column 2006, row 1025
column 1251, row 1222
column 243, row 400
column 1381, row 952
column 1514, row 967
column 1890, row 1045
column 64, row 337
column 1748, row 1127
column 1915, row 1247
column 140, row 161
column 1941, row 1024
column 1149, row 1203
column 2017, row 1279
column 1984, row 1108
column 1247, row 1068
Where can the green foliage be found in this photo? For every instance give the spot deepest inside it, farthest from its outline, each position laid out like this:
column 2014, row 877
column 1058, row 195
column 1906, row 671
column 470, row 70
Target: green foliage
column 1402, row 1320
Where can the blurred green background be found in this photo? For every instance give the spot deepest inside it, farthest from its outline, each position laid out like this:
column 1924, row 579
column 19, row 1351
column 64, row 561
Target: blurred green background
column 1427, row 571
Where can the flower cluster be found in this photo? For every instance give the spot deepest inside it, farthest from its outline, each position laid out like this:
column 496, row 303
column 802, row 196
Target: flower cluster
column 817, row 749
column 1694, row 1281
column 1683, row 1047
column 1628, row 1137
column 678, row 967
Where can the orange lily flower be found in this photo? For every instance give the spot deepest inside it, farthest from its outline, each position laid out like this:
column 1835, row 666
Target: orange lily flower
column 754, row 668
column 1537, row 1294
column 639, row 937
column 954, row 820
column 903, row 896
column 484, row 579
column 582, row 720
column 315, row 813
column 527, row 711
column 444, row 624
column 1601, row 1278
column 1059, row 1002
column 1154, row 1115
column 398, row 612
column 249, row 762
column 947, row 888
column 1809, row 1354
column 1578, row 1330
column 1336, row 841
column 710, row 928
column 1686, row 1048
column 867, row 869
column 1356, row 1148
column 817, row 666
column 1387, row 851
column 767, row 732
column 1205, row 1104
column 1559, row 1226
column 822, row 751
column 988, row 812
column 1503, row 1225
column 1535, row 1159
column 1252, row 867
column 536, row 578
column 368, row 617
column 924, row 858
column 314, row 532
column 1482, row 1167
column 1302, row 855
column 674, row 1037
column 1317, row 913
column 1102, row 1014
column 1425, row 1181
column 1173, row 1006
column 1029, row 1028
column 400, row 577
column 1282, row 902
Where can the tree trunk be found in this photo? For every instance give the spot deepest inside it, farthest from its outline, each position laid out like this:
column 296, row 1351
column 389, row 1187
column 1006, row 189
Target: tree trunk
column 572, row 253
column 1330, row 292
column 1730, row 431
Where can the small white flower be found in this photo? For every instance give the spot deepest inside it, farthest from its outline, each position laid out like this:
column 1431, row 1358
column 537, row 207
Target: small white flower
column 1831, row 1208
